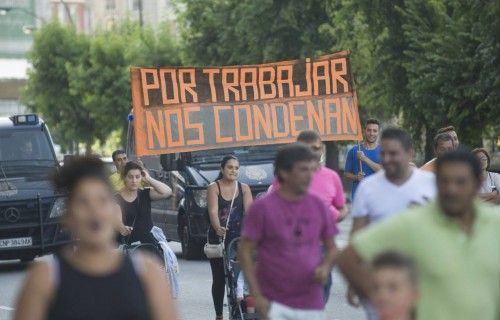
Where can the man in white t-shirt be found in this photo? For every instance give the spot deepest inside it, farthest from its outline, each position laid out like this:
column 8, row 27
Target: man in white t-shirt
column 391, row 190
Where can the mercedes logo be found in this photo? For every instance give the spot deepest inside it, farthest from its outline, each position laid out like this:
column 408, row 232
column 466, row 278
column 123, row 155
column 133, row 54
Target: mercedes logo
column 12, row 214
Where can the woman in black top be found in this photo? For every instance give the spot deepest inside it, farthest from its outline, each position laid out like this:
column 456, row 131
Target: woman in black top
column 135, row 202
column 93, row 280
column 220, row 195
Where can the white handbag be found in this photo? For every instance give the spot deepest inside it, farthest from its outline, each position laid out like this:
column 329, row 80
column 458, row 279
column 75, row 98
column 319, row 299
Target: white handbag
column 214, row 251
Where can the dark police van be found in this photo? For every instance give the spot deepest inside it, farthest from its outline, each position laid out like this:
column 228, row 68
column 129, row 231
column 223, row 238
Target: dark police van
column 30, row 210
column 183, row 216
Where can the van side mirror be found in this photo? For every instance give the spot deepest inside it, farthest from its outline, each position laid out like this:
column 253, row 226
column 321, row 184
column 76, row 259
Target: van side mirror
column 170, row 162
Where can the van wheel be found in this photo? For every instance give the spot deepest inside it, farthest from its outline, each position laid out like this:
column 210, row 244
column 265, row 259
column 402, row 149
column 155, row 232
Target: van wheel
column 191, row 249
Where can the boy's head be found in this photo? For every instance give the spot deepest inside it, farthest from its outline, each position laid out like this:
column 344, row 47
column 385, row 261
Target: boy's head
column 119, row 159
column 394, row 291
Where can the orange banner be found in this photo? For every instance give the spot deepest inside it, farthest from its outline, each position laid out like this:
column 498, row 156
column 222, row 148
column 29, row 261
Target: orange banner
column 182, row 109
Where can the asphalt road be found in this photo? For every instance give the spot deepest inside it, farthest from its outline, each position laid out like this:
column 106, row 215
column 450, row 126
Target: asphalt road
column 195, row 302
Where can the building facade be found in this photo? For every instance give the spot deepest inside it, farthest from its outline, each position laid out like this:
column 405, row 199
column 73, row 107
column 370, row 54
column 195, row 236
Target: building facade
column 19, row 19
column 90, row 16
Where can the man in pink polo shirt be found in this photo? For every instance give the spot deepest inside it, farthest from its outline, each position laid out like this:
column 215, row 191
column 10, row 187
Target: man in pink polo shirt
column 285, row 231
column 325, row 184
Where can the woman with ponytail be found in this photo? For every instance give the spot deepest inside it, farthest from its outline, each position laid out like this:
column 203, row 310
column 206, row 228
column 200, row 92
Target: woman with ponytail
column 228, row 199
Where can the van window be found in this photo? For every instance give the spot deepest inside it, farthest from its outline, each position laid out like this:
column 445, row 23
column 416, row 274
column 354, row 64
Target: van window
column 16, row 145
column 250, row 153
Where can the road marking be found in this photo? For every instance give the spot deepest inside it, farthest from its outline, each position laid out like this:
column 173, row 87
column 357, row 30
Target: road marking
column 6, row 308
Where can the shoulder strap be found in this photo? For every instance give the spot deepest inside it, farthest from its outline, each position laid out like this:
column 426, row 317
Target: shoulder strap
column 54, row 271
column 231, row 207
column 218, row 187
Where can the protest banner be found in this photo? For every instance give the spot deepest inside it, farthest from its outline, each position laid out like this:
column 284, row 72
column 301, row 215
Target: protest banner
column 182, row 109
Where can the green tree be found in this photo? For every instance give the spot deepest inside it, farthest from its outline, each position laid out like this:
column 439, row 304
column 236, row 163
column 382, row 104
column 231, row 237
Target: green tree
column 349, row 28
column 453, row 77
column 81, row 84
column 47, row 90
column 103, row 77
column 432, row 62
column 225, row 32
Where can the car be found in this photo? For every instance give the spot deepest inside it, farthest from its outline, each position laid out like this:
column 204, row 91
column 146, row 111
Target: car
column 30, row 208
column 184, row 217
column 110, row 165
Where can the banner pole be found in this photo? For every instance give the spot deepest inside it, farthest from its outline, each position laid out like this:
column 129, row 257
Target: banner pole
column 360, row 163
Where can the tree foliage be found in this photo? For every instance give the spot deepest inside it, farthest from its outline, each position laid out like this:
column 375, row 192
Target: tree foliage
column 453, row 66
column 226, row 32
column 434, row 62
column 428, row 62
column 425, row 63
column 81, row 84
column 48, row 92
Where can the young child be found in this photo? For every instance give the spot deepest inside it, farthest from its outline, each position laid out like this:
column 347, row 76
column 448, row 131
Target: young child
column 394, row 291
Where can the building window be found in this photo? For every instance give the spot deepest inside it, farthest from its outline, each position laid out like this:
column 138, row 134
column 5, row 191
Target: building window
column 110, row 4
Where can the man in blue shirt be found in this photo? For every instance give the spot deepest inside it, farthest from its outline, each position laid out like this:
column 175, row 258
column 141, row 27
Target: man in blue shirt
column 367, row 154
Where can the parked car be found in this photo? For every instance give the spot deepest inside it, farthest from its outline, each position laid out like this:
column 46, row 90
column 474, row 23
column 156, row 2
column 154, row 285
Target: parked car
column 30, row 209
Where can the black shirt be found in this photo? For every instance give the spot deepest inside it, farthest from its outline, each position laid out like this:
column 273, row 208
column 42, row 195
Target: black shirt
column 235, row 218
column 119, row 295
column 137, row 214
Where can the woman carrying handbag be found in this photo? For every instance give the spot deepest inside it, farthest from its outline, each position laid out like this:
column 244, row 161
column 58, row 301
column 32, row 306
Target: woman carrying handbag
column 228, row 199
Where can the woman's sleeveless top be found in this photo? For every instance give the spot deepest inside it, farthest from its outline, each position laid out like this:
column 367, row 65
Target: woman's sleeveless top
column 236, row 217
column 119, row 295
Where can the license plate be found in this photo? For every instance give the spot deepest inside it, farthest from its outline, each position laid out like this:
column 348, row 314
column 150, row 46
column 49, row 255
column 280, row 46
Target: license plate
column 16, row 242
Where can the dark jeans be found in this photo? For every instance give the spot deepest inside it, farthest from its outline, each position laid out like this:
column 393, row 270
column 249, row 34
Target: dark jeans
column 218, row 284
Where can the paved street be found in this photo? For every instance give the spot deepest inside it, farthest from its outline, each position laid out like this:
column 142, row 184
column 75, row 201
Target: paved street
column 195, row 301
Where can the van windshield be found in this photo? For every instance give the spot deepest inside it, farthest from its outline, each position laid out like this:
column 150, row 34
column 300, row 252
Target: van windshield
column 24, row 145
column 249, row 153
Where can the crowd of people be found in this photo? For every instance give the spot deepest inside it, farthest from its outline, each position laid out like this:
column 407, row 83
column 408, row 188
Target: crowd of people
column 424, row 241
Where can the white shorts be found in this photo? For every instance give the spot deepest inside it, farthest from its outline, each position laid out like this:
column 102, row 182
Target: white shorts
column 282, row 312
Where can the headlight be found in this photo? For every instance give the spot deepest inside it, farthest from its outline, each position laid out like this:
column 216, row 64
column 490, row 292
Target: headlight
column 58, row 209
column 200, row 198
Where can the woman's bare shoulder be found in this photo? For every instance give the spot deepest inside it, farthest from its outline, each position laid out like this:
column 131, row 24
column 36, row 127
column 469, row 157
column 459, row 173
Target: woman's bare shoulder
column 40, row 278
column 212, row 186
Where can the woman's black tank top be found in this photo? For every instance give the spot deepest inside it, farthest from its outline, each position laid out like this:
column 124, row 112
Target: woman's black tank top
column 138, row 214
column 235, row 219
column 119, row 295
